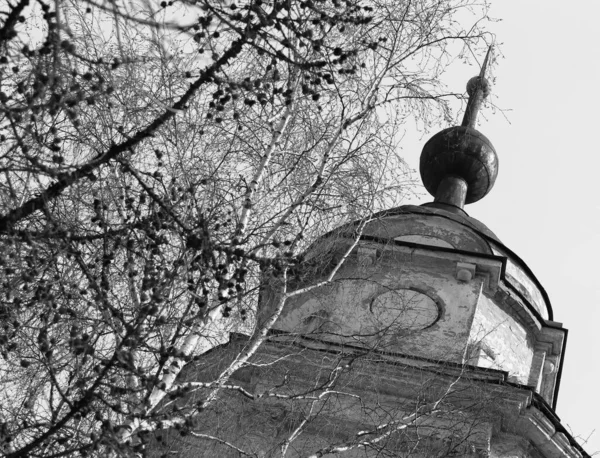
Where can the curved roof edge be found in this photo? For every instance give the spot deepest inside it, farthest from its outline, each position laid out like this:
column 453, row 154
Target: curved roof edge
column 447, row 211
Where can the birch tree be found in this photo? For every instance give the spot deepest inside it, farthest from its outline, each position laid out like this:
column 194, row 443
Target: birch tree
column 162, row 160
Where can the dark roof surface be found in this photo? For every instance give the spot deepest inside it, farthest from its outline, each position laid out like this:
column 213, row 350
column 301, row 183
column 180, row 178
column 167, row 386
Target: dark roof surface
column 445, row 211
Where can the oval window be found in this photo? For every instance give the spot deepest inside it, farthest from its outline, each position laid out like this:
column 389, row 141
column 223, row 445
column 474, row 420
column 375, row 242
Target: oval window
column 404, row 309
column 424, row 240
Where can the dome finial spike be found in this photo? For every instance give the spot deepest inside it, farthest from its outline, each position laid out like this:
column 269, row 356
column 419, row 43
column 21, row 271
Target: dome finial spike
column 478, row 89
column 485, row 62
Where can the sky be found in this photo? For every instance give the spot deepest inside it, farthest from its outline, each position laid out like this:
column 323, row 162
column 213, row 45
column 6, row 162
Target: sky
column 545, row 204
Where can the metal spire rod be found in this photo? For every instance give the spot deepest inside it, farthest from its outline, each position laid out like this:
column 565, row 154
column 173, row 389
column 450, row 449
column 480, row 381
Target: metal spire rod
column 485, row 62
column 478, row 89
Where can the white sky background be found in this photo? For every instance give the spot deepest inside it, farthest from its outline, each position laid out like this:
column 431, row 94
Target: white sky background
column 545, row 205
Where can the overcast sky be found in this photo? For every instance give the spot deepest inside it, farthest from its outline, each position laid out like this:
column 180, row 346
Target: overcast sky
column 545, row 205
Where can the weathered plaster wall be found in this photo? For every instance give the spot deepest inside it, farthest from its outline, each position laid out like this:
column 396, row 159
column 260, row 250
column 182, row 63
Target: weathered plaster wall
column 359, row 308
column 523, row 283
column 510, row 446
column 502, row 341
column 477, row 420
column 368, row 395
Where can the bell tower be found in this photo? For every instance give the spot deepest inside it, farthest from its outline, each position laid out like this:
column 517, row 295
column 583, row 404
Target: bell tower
column 429, row 289
column 433, row 338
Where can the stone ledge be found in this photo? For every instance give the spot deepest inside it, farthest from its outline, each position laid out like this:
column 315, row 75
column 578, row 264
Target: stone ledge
column 540, row 430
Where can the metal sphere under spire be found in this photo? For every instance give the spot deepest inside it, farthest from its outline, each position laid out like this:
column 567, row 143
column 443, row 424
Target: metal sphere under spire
column 458, row 152
column 476, row 83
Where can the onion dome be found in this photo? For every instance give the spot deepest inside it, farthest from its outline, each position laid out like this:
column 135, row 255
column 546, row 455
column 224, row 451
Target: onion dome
column 459, row 165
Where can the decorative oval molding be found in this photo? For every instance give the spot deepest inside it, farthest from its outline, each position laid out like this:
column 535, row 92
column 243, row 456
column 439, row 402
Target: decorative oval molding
column 405, row 310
